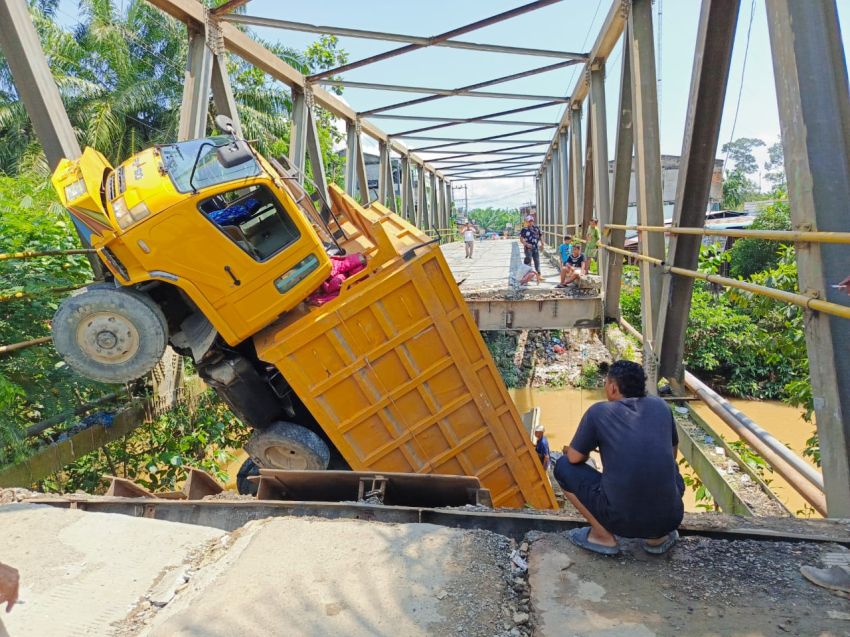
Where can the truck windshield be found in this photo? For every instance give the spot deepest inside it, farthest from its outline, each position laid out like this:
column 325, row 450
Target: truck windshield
column 179, row 160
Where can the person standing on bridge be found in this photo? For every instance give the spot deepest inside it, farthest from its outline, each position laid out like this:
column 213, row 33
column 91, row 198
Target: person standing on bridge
column 532, row 241
column 639, row 493
column 469, row 239
column 592, row 243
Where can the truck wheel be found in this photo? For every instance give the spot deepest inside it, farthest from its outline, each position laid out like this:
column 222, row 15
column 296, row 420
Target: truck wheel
column 243, row 485
column 109, row 334
column 285, row 445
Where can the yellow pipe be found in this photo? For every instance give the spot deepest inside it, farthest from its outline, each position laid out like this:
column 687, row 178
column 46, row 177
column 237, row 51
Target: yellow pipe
column 767, row 235
column 7, row 256
column 802, row 300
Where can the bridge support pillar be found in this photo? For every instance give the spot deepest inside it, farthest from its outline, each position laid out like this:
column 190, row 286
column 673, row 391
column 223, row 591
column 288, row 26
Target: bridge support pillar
column 564, row 173
column 712, row 58
column 576, row 169
column 814, row 112
column 622, row 181
column 599, row 134
column 648, row 175
column 196, row 87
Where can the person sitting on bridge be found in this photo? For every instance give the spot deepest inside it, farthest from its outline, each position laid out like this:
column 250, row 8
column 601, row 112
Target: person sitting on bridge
column 525, row 273
column 639, row 493
column 574, row 268
column 541, row 446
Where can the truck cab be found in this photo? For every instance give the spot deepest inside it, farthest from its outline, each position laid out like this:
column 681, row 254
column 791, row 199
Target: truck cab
column 202, row 237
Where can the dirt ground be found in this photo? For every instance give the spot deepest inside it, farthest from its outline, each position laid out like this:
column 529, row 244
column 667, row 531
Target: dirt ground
column 704, row 587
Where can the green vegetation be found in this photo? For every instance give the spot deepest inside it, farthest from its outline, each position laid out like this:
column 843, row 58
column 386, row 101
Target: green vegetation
column 494, row 219
column 502, row 348
column 120, row 73
column 749, row 256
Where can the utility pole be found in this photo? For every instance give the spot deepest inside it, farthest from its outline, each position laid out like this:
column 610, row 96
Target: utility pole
column 465, row 198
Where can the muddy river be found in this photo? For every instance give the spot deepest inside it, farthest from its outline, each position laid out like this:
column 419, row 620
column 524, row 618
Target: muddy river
column 561, row 410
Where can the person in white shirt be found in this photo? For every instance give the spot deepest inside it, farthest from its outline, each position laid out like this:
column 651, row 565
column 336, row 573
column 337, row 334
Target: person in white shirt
column 468, row 239
column 525, row 273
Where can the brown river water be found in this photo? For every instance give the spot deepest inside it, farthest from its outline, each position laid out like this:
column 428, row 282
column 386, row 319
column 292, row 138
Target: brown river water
column 561, row 411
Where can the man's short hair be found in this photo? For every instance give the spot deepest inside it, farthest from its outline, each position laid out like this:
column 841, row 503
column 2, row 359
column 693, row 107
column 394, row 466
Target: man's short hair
column 527, row 260
column 629, row 378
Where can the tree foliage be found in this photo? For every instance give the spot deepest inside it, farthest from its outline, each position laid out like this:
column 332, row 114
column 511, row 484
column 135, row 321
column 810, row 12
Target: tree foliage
column 737, row 188
column 494, row 219
column 740, row 152
column 749, row 256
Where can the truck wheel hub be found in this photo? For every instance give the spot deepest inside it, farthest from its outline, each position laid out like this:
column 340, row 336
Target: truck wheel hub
column 282, row 456
column 108, row 338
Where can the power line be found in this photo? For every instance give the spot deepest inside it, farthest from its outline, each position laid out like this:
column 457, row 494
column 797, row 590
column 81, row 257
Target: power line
column 741, row 87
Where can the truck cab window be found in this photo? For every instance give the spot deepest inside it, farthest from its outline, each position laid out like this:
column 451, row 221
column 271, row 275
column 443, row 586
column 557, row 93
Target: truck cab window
column 253, row 219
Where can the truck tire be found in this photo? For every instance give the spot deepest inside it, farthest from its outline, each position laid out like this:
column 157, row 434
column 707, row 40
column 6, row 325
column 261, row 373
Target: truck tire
column 109, row 334
column 243, row 485
column 284, row 445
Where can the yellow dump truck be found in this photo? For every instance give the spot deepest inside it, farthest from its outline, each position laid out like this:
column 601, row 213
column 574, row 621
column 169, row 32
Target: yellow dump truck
column 219, row 252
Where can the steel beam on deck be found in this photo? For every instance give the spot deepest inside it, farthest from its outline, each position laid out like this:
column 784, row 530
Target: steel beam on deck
column 810, row 70
column 576, row 166
column 314, row 150
column 709, row 78
column 599, row 134
column 447, row 122
column 564, row 175
column 406, row 189
column 533, row 314
column 449, row 203
column 225, row 103
column 356, row 180
column 398, row 37
column 434, row 40
column 647, row 175
column 298, row 135
column 34, row 83
column 197, row 84
column 469, row 90
column 587, row 190
column 37, row 90
column 623, row 146
column 505, row 176
column 434, row 208
column 421, row 199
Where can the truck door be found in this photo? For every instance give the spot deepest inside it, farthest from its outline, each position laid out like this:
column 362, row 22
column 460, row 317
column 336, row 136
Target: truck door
column 236, row 245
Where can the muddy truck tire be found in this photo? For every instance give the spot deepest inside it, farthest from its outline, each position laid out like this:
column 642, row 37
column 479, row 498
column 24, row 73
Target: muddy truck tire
column 109, row 334
column 285, row 445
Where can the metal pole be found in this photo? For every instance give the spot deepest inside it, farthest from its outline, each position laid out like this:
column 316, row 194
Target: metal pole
column 648, row 174
column 404, row 185
column 599, row 134
column 222, row 93
column 383, row 154
column 709, row 78
column 38, row 91
column 587, row 195
column 810, row 71
column 564, row 171
column 362, row 178
column 421, row 198
column 350, row 159
column 576, row 166
column 196, row 87
column 298, row 134
column 314, row 150
column 622, row 180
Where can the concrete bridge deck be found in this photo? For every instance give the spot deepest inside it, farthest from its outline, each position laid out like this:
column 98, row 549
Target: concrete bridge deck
column 491, row 288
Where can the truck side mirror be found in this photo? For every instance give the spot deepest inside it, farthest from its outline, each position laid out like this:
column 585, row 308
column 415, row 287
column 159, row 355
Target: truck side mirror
column 224, row 124
column 234, row 154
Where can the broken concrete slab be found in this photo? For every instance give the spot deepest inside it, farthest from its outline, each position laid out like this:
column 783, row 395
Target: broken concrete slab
column 702, row 587
column 311, row 577
column 81, row 572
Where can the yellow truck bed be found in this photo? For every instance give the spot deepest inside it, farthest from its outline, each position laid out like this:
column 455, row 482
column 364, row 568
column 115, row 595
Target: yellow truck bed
column 396, row 373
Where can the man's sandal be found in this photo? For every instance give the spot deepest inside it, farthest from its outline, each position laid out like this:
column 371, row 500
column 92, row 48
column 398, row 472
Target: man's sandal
column 579, row 537
column 661, row 549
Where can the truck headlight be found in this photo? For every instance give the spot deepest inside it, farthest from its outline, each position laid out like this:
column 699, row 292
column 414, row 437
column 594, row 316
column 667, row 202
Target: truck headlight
column 122, row 214
column 75, row 190
column 297, row 274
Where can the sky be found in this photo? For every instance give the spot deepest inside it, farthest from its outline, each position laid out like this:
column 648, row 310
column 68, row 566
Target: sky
column 570, row 25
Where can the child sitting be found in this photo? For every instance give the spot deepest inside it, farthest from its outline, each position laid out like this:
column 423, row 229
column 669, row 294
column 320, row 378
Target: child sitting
column 574, row 268
column 526, row 272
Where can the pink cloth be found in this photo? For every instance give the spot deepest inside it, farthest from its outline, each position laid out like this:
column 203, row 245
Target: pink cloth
column 341, row 269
